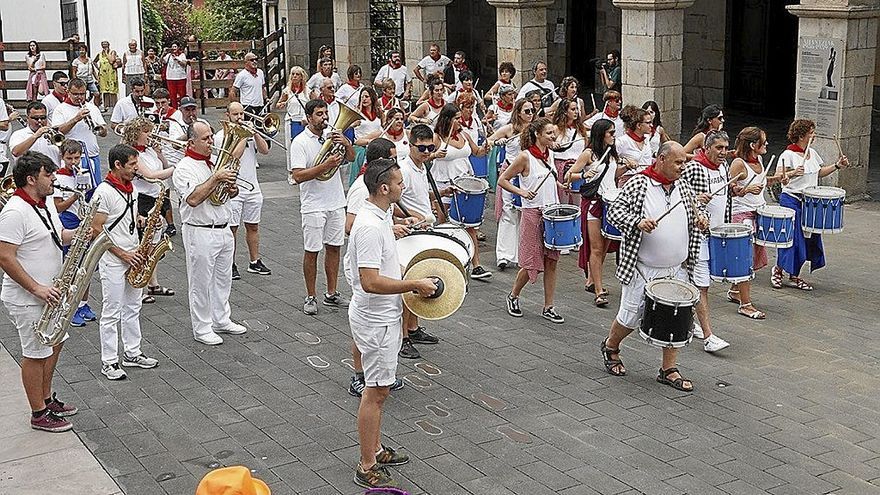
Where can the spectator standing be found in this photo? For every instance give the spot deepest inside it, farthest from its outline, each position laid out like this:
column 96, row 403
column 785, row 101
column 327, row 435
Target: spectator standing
column 134, row 65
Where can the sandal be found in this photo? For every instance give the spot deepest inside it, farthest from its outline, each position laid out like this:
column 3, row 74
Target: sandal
column 732, row 296
column 591, row 288
column 148, row 299
column 601, row 300
column 678, row 383
column 612, row 366
column 755, row 314
column 776, row 278
column 800, row 283
column 158, row 290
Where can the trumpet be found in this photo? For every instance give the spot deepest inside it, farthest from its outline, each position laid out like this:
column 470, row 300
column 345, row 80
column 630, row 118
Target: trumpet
column 7, row 189
column 91, row 122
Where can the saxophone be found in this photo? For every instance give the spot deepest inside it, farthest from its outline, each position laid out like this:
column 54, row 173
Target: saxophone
column 76, row 272
column 140, row 276
column 233, row 134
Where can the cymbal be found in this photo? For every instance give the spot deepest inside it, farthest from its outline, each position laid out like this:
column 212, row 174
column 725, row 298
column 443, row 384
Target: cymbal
column 453, row 289
column 437, row 253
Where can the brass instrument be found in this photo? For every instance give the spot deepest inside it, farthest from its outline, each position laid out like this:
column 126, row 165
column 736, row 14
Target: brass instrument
column 180, row 145
column 54, row 136
column 73, row 280
column 267, row 124
column 7, row 189
column 233, row 134
column 83, row 205
column 140, row 276
column 91, row 122
column 347, row 117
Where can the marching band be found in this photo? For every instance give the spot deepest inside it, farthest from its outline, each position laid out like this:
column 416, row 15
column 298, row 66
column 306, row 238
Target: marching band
column 564, row 180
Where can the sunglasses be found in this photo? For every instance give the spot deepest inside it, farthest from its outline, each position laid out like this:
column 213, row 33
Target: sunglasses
column 423, row 148
column 61, row 83
column 529, row 111
column 39, row 117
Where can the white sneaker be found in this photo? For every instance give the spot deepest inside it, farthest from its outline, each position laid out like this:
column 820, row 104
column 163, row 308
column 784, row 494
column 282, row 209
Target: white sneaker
column 698, row 330
column 209, row 339
column 233, row 329
column 113, row 371
column 715, row 343
column 140, row 361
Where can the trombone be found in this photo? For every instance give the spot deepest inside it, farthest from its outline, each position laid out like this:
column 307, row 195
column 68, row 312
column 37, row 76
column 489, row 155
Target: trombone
column 180, row 145
column 266, row 125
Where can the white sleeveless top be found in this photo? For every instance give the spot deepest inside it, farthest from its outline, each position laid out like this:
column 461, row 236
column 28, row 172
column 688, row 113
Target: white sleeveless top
column 750, row 202
column 134, row 62
column 512, row 148
column 454, row 165
column 628, row 148
column 367, row 126
column 546, row 195
column 574, row 150
column 655, row 142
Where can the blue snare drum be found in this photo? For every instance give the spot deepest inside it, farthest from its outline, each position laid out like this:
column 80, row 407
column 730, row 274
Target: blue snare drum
column 468, row 201
column 575, row 185
column 774, row 227
column 517, row 199
column 562, row 226
column 822, row 210
column 480, row 165
column 609, row 231
column 730, row 253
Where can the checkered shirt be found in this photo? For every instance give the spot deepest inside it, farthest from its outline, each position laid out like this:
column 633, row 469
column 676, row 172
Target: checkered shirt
column 695, row 174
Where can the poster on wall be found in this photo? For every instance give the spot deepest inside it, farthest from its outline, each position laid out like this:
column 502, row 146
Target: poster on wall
column 820, row 61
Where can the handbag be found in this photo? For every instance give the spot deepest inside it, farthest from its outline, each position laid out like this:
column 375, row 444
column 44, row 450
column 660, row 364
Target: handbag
column 591, row 189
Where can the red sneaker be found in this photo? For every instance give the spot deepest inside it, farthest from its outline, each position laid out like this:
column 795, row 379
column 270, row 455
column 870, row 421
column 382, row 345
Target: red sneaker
column 50, row 422
column 59, row 408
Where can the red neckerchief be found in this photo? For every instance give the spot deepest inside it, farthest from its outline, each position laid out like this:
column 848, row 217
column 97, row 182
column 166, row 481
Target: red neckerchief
column 332, row 98
column 58, row 97
column 508, row 108
column 64, row 171
column 69, row 101
column 503, row 81
column 253, row 72
column 436, row 107
column 176, row 52
column 654, row 174
column 635, row 137
column 368, row 114
column 21, row 193
column 363, row 170
column 703, row 160
column 170, row 112
column 455, row 135
column 468, row 123
column 794, row 147
column 119, row 185
column 297, row 89
column 752, row 159
column 354, row 84
column 386, row 102
column 537, row 153
column 200, row 157
column 460, row 67
column 393, row 134
column 611, row 113
column 140, row 148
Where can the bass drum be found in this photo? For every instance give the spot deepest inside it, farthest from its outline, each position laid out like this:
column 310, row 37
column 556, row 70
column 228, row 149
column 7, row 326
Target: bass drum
column 443, row 244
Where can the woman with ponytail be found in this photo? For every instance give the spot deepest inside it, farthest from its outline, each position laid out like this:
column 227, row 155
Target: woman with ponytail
column 711, row 119
column 633, row 146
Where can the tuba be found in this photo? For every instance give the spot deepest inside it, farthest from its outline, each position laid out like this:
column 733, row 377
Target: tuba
column 140, row 276
column 82, row 258
column 233, row 134
column 7, row 189
column 347, row 116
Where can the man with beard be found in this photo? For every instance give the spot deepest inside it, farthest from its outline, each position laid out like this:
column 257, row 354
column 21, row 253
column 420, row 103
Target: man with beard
column 397, row 72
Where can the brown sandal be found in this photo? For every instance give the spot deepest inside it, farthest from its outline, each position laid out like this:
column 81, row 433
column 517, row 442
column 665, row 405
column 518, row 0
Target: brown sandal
column 614, row 366
column 601, row 300
column 678, row 383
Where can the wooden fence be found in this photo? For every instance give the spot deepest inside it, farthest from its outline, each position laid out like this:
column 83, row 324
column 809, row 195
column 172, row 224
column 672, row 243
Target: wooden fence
column 270, row 57
column 12, row 58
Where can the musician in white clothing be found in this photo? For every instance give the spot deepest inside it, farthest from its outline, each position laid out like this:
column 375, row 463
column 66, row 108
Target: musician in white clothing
column 82, row 121
column 397, row 72
column 133, row 105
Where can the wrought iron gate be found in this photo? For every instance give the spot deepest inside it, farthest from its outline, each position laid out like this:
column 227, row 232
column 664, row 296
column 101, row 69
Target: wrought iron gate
column 386, row 31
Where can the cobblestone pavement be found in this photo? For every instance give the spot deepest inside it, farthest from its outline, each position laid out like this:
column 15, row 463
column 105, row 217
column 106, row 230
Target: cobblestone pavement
column 501, row 405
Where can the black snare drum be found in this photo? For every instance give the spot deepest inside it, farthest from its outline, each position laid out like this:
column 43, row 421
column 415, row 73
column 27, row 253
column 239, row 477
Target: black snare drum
column 669, row 318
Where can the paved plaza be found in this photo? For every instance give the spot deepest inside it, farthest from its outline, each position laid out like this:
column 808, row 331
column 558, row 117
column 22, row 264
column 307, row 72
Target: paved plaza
column 501, row 406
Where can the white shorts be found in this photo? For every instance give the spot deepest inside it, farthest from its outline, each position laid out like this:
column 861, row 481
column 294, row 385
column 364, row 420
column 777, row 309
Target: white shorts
column 323, row 227
column 246, row 208
column 701, row 268
column 23, row 317
column 379, row 346
column 632, row 295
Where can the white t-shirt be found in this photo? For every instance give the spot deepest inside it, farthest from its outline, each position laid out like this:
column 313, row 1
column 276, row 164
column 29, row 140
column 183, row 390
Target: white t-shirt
column 148, row 159
column 125, row 109
column 532, row 85
column 667, row 245
column 51, row 101
column 66, row 180
column 372, row 245
column 115, row 204
column 250, row 87
column 41, row 144
column 134, row 63
column 357, row 196
column 431, row 66
column 402, row 146
column 37, row 252
column 718, row 204
column 314, row 82
column 189, row 174
column 346, row 95
column 174, row 71
column 575, row 149
column 502, row 117
column 332, row 111
column 248, row 162
column 80, row 131
column 416, row 196
column 367, row 127
column 400, row 76
column 619, row 128
column 628, row 148
column 315, row 195
column 791, row 160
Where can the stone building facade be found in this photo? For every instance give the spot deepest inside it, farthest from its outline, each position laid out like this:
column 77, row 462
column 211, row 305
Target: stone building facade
column 681, row 53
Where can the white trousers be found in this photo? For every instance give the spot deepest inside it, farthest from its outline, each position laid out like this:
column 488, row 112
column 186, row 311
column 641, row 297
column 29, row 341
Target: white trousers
column 507, row 238
column 209, row 254
column 121, row 307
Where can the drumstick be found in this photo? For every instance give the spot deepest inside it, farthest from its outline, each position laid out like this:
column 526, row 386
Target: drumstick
column 763, row 172
column 803, row 162
column 595, row 105
column 839, row 149
column 725, row 186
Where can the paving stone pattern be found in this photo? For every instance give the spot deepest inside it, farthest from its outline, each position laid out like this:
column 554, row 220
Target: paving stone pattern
column 520, row 406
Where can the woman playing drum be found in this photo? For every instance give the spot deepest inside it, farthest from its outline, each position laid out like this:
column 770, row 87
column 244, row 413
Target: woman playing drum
column 367, row 130
column 633, row 146
column 808, row 168
column 711, row 119
column 592, row 254
column 538, row 190
column 571, row 138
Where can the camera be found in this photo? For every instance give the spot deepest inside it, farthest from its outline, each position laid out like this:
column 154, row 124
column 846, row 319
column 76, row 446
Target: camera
column 599, row 63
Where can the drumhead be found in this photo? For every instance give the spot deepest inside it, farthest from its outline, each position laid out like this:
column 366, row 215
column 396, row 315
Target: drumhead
column 775, row 211
column 561, row 211
column 458, row 233
column 411, row 246
column 470, row 184
column 730, row 230
column 824, row 192
column 672, row 292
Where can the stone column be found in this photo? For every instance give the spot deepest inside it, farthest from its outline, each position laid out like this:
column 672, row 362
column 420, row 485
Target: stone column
column 855, row 23
column 351, row 22
column 424, row 22
column 652, row 41
column 522, row 34
column 296, row 12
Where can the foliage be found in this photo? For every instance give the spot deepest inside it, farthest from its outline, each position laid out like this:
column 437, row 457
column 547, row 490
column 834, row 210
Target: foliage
column 153, row 26
column 228, row 20
column 166, row 22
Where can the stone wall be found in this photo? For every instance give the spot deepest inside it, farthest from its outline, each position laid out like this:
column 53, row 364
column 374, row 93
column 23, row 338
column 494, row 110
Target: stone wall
column 704, row 44
column 558, row 62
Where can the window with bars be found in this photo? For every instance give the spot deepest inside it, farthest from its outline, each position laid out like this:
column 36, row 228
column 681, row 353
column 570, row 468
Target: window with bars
column 386, row 31
column 69, row 20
